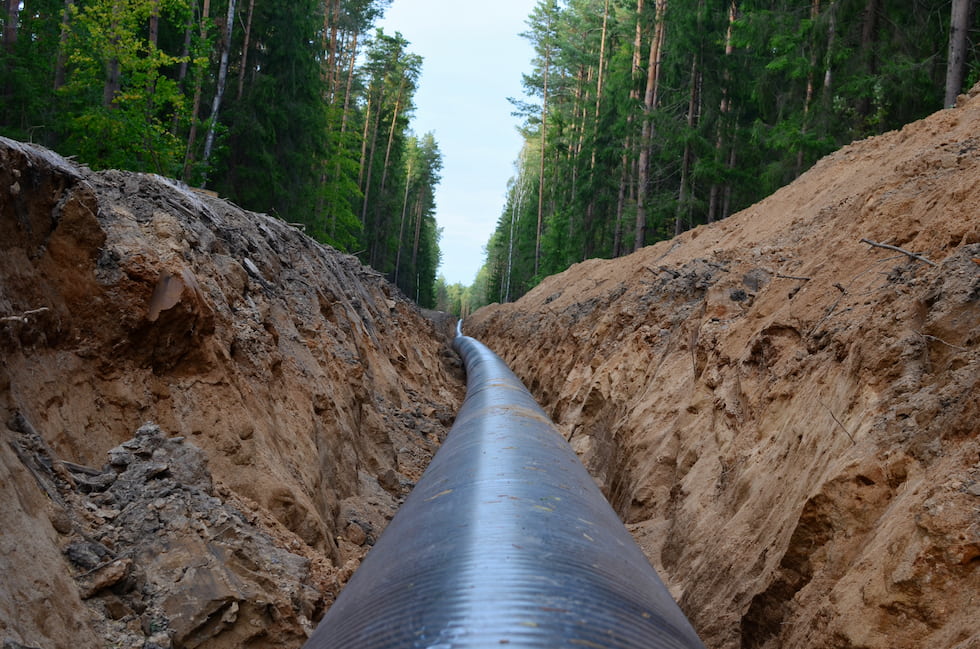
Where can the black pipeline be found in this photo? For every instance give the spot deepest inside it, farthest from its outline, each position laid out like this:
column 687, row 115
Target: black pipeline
column 505, row 542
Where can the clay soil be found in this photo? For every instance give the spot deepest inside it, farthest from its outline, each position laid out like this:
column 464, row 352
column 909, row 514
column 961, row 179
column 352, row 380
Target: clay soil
column 788, row 418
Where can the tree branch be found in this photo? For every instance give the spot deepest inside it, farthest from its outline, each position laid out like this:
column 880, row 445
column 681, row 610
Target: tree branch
column 886, row 246
column 24, row 316
column 846, row 432
column 796, row 277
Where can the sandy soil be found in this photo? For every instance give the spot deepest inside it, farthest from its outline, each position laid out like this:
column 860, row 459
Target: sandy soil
column 317, row 392
column 787, row 417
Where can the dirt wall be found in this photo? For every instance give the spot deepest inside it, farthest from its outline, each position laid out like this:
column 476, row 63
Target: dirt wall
column 786, row 416
column 316, row 392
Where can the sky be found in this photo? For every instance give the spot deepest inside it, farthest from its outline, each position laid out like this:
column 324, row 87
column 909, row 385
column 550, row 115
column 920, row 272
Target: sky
column 473, row 61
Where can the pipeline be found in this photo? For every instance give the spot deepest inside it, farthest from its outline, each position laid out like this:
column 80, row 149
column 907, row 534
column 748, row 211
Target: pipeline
column 506, row 541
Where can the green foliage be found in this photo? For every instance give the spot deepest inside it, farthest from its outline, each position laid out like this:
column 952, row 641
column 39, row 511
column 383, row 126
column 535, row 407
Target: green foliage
column 130, row 127
column 131, row 84
column 744, row 104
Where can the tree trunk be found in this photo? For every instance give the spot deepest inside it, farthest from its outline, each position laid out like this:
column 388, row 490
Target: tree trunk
column 343, row 123
column 828, row 75
column 381, row 217
column 192, row 135
column 693, row 108
column 628, row 163
column 222, row 80
column 419, row 212
column 248, row 34
column 332, row 28
column 602, row 60
column 869, row 38
column 366, row 169
column 350, row 83
column 154, row 24
column 362, row 168
column 113, row 77
column 808, row 98
column 726, row 206
column 11, row 26
column 646, row 136
column 724, row 109
column 391, row 137
column 401, row 227
column 544, row 146
column 958, row 26
column 185, row 51
column 62, row 60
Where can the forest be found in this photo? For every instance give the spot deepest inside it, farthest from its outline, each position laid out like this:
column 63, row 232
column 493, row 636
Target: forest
column 643, row 118
column 649, row 117
column 299, row 109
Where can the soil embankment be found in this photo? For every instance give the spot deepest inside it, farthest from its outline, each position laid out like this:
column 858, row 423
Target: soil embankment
column 788, row 417
column 296, row 398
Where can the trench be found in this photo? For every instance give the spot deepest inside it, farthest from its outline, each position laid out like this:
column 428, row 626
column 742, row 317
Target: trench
column 506, row 540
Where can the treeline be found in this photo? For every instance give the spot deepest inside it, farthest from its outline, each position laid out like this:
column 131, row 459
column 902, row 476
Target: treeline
column 290, row 108
column 654, row 116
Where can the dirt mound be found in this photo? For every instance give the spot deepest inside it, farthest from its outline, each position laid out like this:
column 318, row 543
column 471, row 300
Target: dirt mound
column 787, row 416
column 315, row 391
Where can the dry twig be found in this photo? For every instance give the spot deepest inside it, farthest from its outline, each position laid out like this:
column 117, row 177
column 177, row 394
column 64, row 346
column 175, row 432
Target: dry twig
column 23, row 317
column 940, row 340
column 796, row 277
column 846, row 432
column 887, row 246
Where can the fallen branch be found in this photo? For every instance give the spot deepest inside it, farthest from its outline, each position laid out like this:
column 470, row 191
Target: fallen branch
column 23, row 317
column 796, row 277
column 886, row 246
column 940, row 340
column 846, row 432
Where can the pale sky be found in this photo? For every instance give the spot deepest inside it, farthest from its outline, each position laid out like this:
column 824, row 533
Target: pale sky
column 473, row 61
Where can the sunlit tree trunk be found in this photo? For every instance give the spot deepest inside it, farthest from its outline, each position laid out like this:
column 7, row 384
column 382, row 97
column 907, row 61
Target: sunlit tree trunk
column 602, row 59
column 419, row 213
column 222, row 80
column 332, row 27
column 350, row 83
column 364, row 142
column 367, row 165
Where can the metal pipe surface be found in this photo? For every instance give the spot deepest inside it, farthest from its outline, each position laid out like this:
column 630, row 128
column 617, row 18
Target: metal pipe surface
column 506, row 541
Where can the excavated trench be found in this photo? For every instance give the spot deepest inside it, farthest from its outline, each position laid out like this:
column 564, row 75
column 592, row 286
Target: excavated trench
column 185, row 383
column 784, row 415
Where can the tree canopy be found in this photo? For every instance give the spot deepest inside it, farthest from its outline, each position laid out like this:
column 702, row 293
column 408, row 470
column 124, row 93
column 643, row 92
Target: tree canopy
column 299, row 109
column 653, row 116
